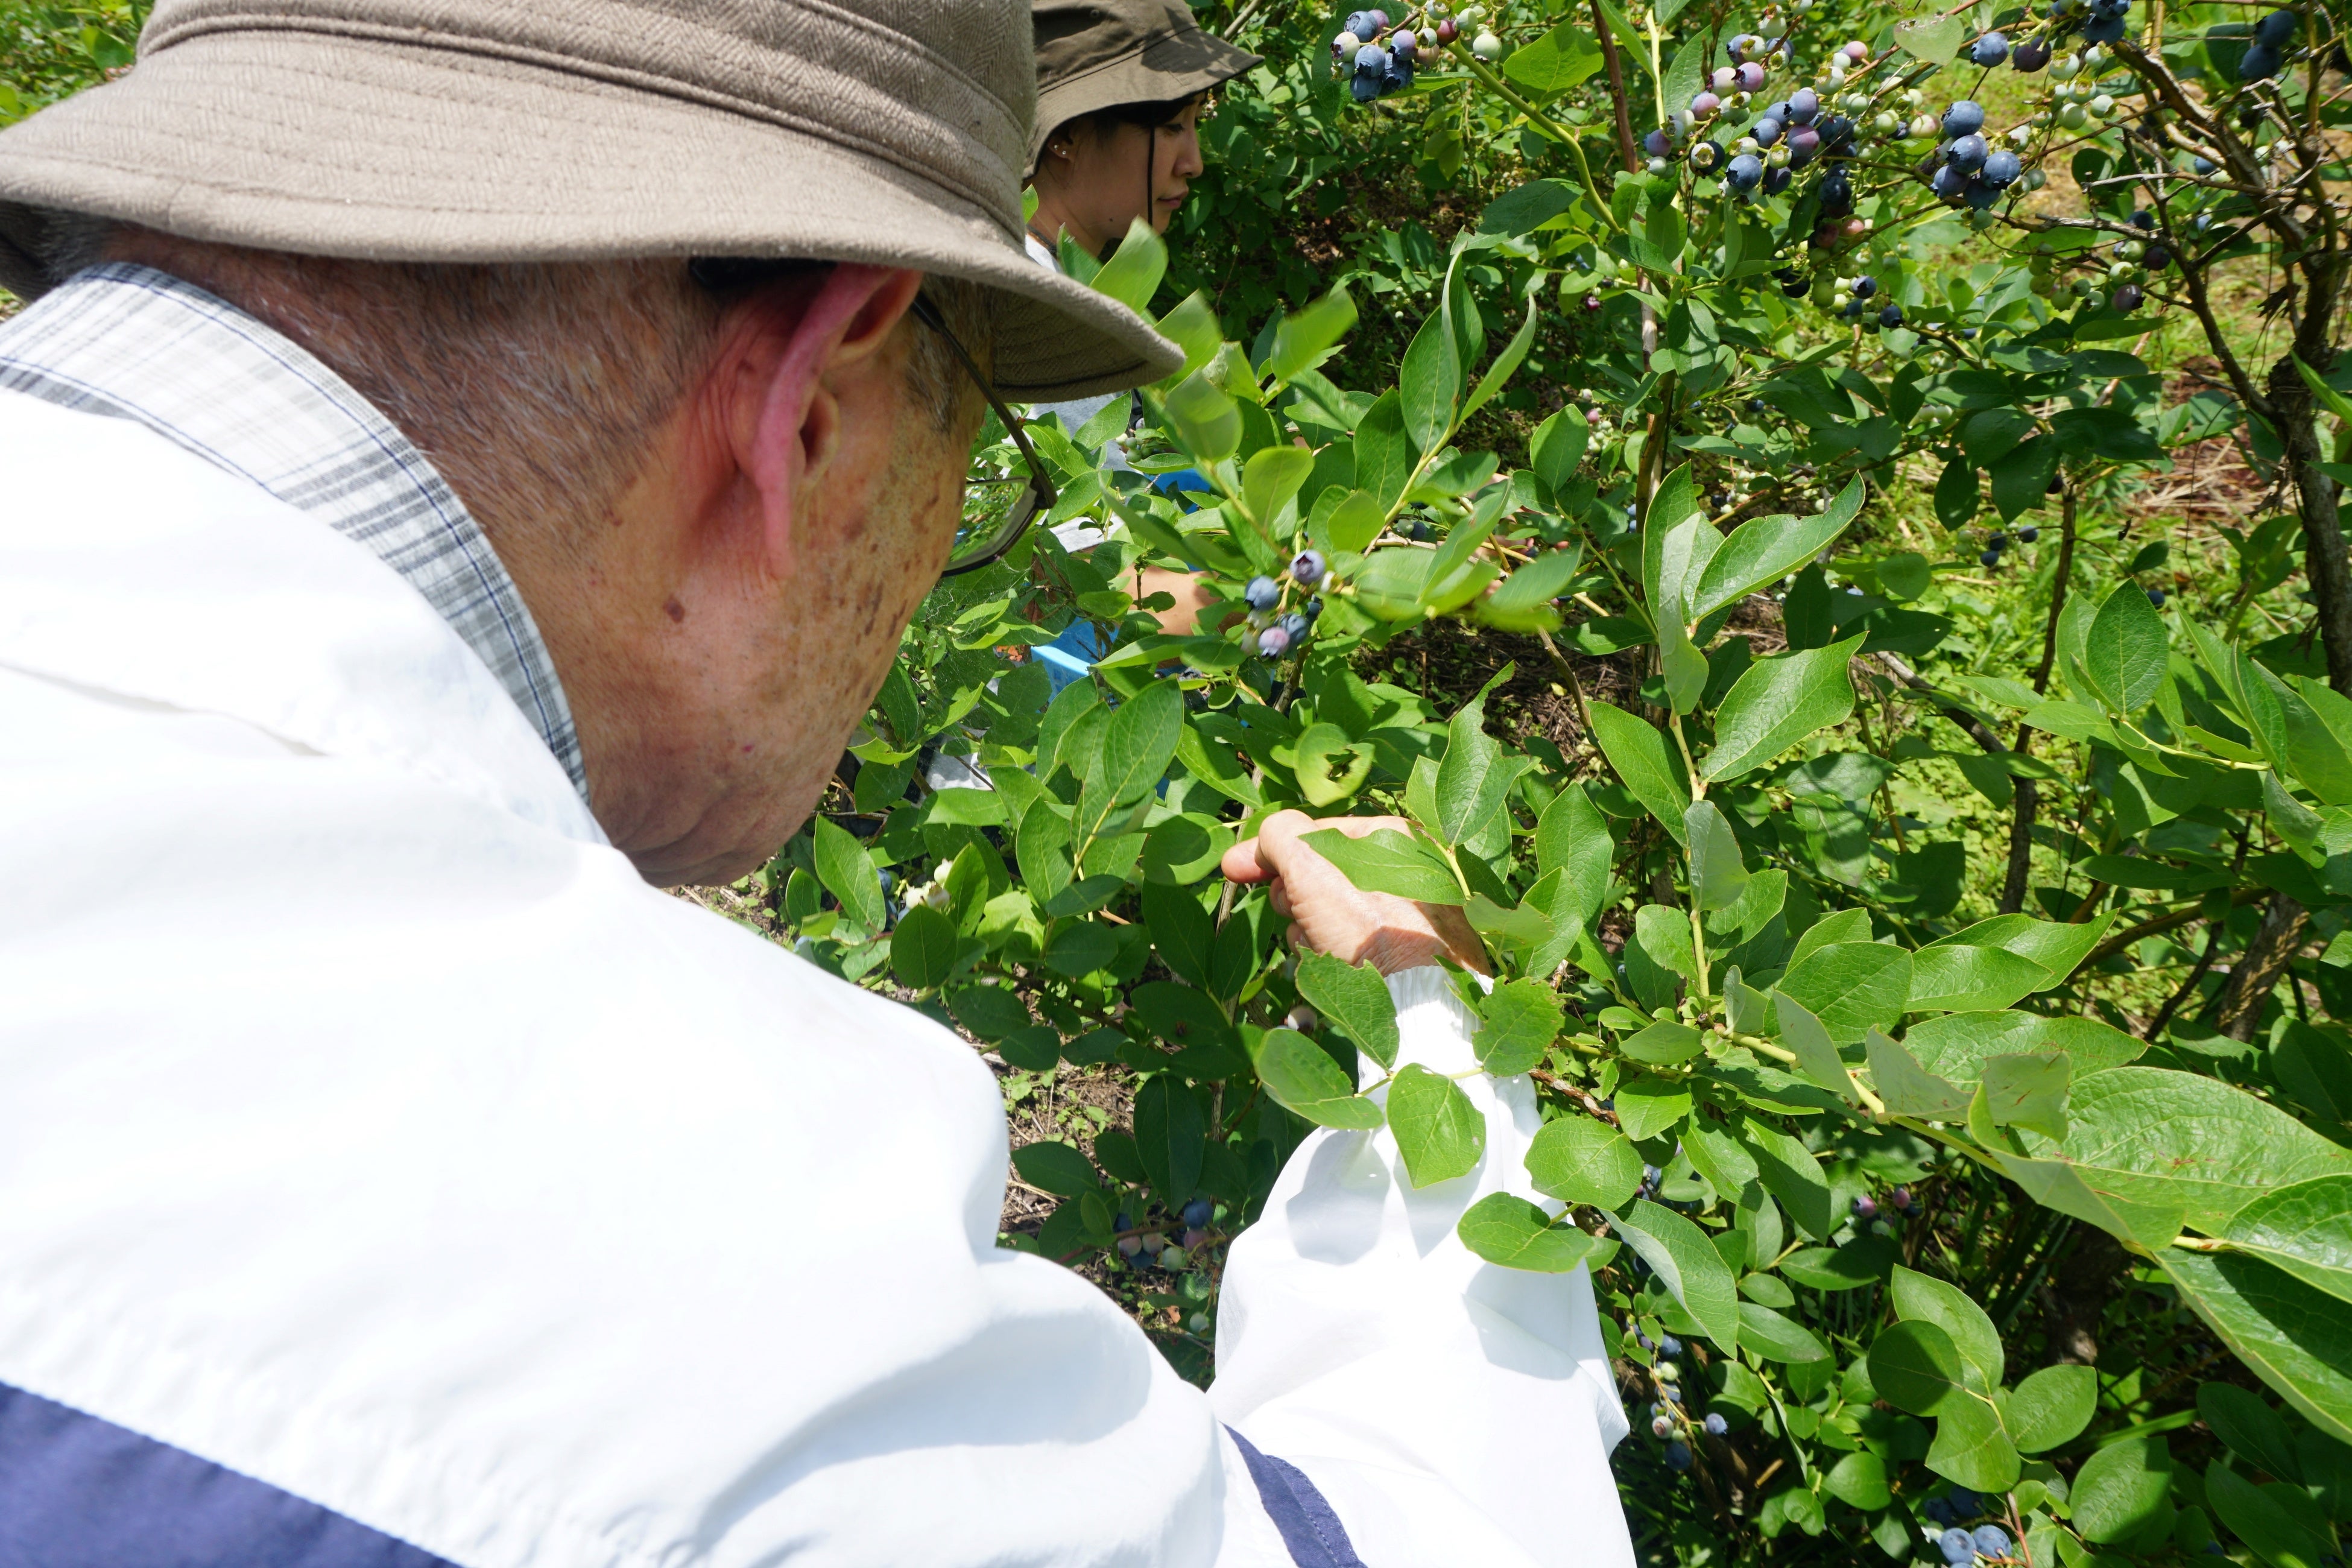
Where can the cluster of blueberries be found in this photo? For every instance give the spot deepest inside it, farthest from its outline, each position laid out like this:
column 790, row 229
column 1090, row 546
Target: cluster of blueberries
column 1999, row 542
column 1900, row 1200
column 1278, row 633
column 2267, row 53
column 1155, row 1248
column 1785, row 137
column 1663, row 1422
column 1378, row 68
column 1965, row 168
column 1961, row 1547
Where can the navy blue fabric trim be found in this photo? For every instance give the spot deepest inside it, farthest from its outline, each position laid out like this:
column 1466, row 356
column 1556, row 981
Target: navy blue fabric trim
column 1309, row 1528
column 80, row 1492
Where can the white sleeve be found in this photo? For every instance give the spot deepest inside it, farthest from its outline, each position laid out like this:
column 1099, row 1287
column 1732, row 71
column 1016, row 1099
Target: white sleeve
column 1385, row 1385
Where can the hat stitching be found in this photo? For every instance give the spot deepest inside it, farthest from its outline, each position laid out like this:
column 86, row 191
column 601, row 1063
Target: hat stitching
column 663, row 86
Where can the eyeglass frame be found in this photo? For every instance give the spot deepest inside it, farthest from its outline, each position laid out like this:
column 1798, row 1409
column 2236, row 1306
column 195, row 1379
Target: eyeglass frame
column 721, row 275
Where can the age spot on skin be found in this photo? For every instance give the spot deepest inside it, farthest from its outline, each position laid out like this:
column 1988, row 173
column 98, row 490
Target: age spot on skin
column 676, row 611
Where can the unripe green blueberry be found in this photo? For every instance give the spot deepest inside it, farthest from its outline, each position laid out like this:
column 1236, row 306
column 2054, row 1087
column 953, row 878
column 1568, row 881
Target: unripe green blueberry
column 1487, row 48
column 2121, row 272
column 2093, row 300
column 2130, row 250
column 2074, row 117
column 2034, row 180
column 2103, row 106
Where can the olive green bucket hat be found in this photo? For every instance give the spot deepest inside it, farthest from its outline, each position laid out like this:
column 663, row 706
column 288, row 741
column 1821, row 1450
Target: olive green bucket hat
column 1099, row 54
column 891, row 132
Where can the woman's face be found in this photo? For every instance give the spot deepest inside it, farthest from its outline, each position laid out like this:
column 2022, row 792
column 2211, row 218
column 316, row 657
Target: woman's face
column 1092, row 177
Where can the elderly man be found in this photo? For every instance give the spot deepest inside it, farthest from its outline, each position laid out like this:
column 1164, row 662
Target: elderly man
column 468, row 461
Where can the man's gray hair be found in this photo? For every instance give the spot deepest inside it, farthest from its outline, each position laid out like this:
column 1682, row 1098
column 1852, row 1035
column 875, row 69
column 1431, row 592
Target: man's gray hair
column 536, row 388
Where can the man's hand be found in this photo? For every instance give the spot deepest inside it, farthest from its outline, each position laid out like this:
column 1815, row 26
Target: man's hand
column 1333, row 915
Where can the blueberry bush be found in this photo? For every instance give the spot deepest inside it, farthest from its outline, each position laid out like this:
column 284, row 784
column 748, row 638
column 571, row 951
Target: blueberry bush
column 1683, row 461
column 1768, row 386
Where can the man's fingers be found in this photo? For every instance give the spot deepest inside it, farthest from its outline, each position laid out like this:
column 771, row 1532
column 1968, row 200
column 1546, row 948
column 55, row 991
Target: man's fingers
column 1242, row 864
column 1255, row 859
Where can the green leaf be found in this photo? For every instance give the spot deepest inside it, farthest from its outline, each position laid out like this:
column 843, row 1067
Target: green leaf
column 1766, row 1333
column 1644, row 759
column 1572, row 837
column 1055, row 1168
column 1523, row 601
column 1764, row 550
column 1864, row 1260
column 2056, row 946
column 1473, row 778
column 1816, row 1053
column 1204, row 419
column 1514, row 1233
column 1169, row 1134
column 1915, row 1366
column 1438, row 1131
column 1971, row 1449
column 2253, row 1431
column 1949, row 977
column 2279, row 1522
column 2305, row 1229
column 1138, row 743
column 1688, row 1266
column 1778, row 702
column 1852, row 987
column 1924, row 1298
column 1355, row 997
column 2296, row 1339
column 1935, row 39
column 1650, row 1106
column 1518, row 1020
column 1303, row 1079
column 1859, row 1480
column 1132, row 274
column 1664, row 1044
column 1790, row 1174
column 922, row 948
column 1515, row 353
column 2020, row 478
column 1677, row 546
column 1193, row 327
column 1214, row 764
column 2050, row 1408
column 1717, row 874
column 1388, row 862
column 848, row 874
column 1355, row 522
column 1329, row 766
column 1384, row 458
column 1555, row 62
column 1909, row 1089
column 2122, row 1489
column 2027, row 1089
column 1583, row 1160
column 1957, row 1047
column 1305, row 337
column 2127, row 651
column 1183, row 933
column 1271, row 480
column 1557, row 447
column 1429, row 383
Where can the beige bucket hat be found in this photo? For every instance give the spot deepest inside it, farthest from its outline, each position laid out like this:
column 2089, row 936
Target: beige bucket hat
column 1098, row 54
column 886, row 131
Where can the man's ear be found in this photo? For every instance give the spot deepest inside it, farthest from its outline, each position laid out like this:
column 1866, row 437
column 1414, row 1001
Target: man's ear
column 847, row 320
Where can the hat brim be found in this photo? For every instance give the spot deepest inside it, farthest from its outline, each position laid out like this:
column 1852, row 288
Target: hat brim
column 376, row 150
column 1172, row 67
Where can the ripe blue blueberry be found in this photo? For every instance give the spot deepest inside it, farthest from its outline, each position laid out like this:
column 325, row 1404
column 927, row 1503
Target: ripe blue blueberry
column 1262, row 593
column 1964, row 118
column 1363, row 89
column 1836, row 193
column 1361, row 24
column 2001, row 168
column 2028, row 535
column 1295, row 625
column 1837, row 135
column 1670, row 1346
column 1966, row 1504
column 2259, row 63
column 1803, row 105
column 2129, row 297
column 1959, row 1547
column 1197, row 1213
column 1990, row 50
column 1968, row 152
column 2203, row 165
column 1804, row 143
column 1398, row 77
column 1307, row 568
column 1865, row 287
column 1716, row 1426
column 1745, row 172
column 2278, row 29
column 1641, row 1339
column 1313, row 610
column 2031, row 56
column 2102, row 29
column 1274, row 642
column 1891, row 317
column 1776, row 180
column 1991, row 1541
column 1937, row 1511
column 1766, row 130
column 1998, row 539
column 1950, row 184
column 1989, row 558
column 1678, row 1455
column 1371, row 60
column 2156, row 597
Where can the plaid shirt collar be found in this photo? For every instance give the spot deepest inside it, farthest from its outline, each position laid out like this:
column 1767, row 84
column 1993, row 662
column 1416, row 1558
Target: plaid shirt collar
column 140, row 344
